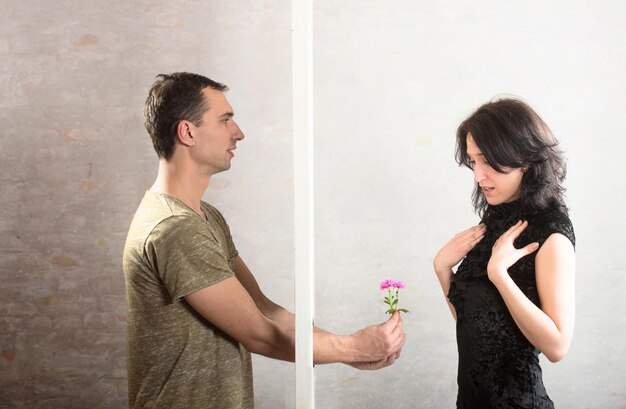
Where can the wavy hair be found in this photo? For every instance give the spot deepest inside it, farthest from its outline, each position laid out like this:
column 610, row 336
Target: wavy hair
column 510, row 134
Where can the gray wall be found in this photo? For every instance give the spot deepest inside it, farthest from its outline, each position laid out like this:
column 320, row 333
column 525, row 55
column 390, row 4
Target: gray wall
column 392, row 83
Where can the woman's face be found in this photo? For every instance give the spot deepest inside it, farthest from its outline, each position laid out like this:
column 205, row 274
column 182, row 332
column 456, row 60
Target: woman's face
column 497, row 187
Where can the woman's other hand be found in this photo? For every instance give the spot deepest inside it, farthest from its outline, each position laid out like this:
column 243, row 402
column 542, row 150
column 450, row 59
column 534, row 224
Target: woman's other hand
column 457, row 248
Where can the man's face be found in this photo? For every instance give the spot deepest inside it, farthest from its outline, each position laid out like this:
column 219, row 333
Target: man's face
column 217, row 135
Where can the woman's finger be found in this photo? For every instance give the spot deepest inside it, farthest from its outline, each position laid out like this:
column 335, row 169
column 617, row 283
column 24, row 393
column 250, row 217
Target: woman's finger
column 476, row 232
column 514, row 231
column 476, row 240
column 511, row 229
column 529, row 249
column 519, row 228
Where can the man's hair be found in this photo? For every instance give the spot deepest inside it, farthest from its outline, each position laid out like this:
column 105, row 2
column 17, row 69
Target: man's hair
column 171, row 99
column 509, row 133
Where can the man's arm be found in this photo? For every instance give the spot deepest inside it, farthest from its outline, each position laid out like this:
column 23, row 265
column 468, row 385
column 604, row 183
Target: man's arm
column 239, row 308
column 368, row 346
column 229, row 307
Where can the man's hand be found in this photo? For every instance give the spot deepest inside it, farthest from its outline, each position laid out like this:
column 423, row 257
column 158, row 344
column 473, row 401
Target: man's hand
column 379, row 345
column 370, row 366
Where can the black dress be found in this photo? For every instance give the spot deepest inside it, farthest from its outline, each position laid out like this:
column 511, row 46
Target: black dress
column 498, row 367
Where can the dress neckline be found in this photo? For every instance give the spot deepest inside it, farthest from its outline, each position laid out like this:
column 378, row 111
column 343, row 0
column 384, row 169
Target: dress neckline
column 504, row 210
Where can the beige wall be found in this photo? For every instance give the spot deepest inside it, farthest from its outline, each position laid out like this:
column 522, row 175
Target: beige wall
column 392, row 83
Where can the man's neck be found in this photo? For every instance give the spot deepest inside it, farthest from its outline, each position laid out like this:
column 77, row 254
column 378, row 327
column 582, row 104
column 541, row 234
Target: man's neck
column 182, row 182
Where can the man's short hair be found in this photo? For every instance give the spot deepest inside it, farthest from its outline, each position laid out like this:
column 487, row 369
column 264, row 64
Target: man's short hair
column 173, row 98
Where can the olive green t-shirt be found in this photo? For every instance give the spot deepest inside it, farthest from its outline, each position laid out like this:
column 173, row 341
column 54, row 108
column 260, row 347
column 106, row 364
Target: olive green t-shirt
column 176, row 358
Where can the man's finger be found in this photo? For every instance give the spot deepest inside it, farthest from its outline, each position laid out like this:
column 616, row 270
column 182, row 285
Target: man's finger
column 393, row 321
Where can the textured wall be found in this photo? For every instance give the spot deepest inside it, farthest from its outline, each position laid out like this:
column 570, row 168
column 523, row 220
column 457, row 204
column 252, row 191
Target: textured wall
column 76, row 160
column 392, row 83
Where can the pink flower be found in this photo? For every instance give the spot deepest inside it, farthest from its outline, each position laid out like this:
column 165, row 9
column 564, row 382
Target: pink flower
column 391, row 284
column 392, row 297
column 399, row 284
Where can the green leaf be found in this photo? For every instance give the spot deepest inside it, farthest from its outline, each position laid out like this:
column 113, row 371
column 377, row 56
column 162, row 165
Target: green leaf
column 395, row 302
column 390, row 311
column 403, row 310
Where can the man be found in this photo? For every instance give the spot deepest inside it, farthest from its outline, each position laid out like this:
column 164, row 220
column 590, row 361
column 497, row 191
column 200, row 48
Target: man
column 195, row 311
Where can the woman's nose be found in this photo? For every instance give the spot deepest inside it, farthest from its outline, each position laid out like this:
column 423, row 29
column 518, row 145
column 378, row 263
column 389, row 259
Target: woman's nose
column 478, row 173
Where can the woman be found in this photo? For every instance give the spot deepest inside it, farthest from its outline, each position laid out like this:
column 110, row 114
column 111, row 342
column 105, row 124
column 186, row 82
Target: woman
column 513, row 294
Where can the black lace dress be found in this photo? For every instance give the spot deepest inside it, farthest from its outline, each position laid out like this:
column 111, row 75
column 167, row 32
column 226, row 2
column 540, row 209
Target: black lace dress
column 498, row 367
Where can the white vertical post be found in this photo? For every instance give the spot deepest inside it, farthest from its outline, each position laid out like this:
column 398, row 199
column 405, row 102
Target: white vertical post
column 302, row 66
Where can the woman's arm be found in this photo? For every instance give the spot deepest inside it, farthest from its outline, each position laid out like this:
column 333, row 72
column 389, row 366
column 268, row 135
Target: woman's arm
column 551, row 327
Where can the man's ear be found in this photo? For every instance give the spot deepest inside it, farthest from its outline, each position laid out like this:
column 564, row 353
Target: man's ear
column 184, row 134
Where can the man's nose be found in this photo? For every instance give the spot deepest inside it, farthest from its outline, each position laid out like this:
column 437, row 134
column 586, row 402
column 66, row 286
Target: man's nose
column 238, row 134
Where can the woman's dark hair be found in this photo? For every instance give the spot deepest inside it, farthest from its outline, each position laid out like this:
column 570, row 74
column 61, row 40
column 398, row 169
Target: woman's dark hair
column 173, row 98
column 511, row 135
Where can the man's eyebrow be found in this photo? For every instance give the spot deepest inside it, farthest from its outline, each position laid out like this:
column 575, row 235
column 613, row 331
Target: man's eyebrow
column 227, row 115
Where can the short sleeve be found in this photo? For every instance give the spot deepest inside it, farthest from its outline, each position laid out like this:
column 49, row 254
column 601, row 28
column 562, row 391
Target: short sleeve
column 187, row 255
column 558, row 222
